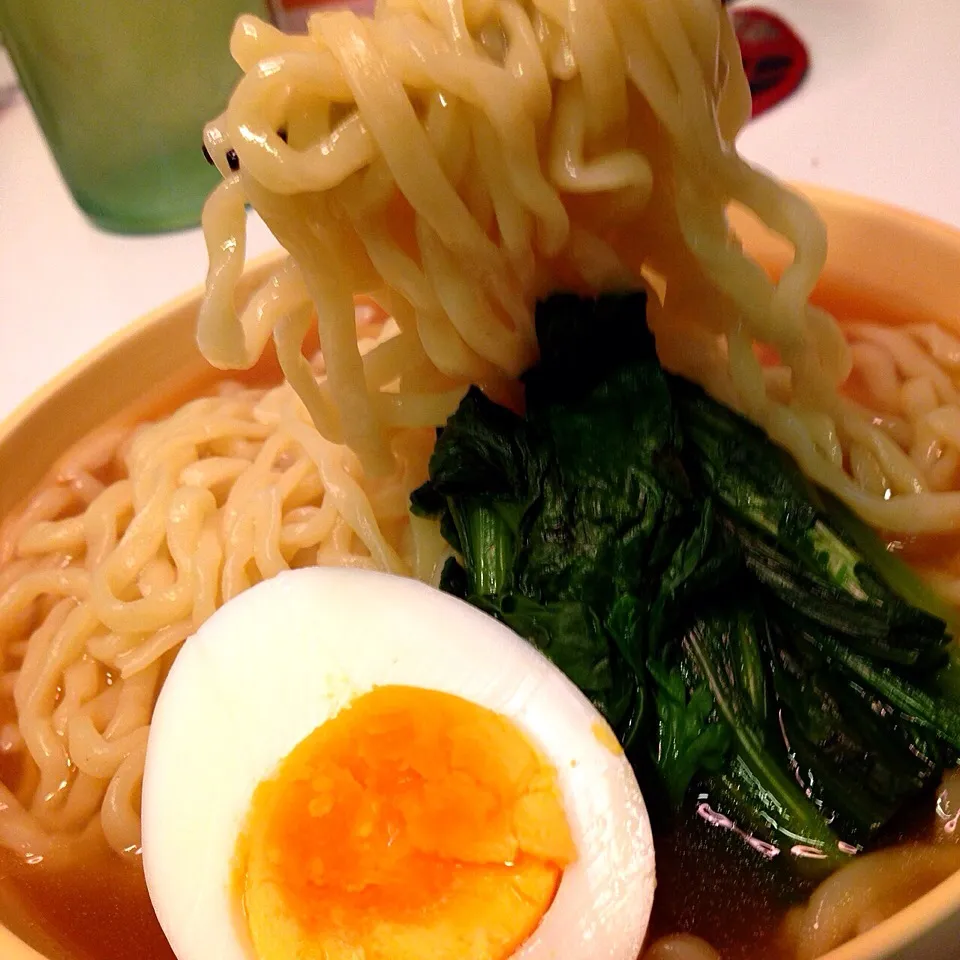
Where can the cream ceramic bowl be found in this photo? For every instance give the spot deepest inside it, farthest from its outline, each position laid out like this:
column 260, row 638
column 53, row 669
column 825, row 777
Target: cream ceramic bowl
column 882, row 262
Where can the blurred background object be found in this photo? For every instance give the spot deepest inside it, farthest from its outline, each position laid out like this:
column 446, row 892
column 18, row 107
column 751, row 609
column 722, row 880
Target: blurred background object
column 8, row 79
column 774, row 57
column 292, row 15
column 121, row 90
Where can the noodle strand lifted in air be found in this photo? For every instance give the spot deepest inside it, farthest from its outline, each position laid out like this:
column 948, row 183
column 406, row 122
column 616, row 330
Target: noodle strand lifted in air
column 455, row 161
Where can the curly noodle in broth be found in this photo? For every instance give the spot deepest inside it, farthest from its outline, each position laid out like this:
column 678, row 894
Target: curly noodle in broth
column 101, row 580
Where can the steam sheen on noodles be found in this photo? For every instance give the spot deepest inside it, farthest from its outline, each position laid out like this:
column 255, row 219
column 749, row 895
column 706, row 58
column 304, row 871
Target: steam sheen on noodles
column 449, row 160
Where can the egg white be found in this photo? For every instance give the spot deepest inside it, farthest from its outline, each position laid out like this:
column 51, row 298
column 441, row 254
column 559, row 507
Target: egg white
column 282, row 658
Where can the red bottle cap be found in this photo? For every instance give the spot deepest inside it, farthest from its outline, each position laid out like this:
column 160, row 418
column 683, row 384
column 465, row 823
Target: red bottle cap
column 774, row 57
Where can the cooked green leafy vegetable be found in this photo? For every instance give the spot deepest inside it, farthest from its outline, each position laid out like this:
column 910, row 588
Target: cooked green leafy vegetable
column 746, row 636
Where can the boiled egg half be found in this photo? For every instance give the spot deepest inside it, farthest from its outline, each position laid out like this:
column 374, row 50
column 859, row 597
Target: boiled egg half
column 345, row 764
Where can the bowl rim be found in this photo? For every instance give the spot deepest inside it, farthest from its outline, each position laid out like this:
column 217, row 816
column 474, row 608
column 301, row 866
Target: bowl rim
column 191, row 298
column 864, row 206
column 906, row 926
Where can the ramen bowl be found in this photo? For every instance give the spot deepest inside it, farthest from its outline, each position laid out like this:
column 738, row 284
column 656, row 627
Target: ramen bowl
column 882, row 262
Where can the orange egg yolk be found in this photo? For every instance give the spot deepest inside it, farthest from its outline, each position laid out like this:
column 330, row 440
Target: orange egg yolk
column 412, row 825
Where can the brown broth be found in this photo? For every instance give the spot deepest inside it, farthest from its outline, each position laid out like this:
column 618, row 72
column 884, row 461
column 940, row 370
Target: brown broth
column 712, row 885
column 96, row 910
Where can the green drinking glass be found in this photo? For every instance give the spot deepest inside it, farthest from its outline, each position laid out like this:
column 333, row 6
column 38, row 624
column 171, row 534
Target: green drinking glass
column 122, row 89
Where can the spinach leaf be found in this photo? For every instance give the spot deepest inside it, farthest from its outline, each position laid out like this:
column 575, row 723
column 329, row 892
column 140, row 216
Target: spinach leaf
column 766, row 794
column 740, row 630
column 691, row 740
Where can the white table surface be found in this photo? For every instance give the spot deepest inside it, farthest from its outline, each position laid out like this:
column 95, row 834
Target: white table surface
column 879, row 114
